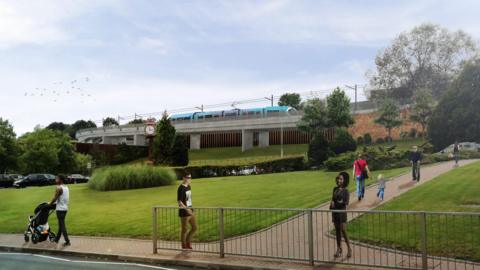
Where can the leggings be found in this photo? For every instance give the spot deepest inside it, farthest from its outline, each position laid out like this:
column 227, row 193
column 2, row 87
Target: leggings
column 341, row 229
column 62, row 229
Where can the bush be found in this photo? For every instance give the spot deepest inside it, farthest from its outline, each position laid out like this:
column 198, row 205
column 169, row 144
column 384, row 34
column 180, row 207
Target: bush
column 273, row 166
column 367, row 139
column 340, row 162
column 343, row 142
column 180, row 151
column 126, row 153
column 318, row 150
column 81, row 163
column 359, row 140
column 131, row 177
column 413, row 133
column 380, row 140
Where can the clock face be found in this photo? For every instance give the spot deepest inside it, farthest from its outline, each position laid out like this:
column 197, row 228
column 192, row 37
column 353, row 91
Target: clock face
column 150, row 130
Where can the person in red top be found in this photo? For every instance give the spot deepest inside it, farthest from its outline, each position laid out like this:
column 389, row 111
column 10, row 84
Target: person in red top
column 361, row 172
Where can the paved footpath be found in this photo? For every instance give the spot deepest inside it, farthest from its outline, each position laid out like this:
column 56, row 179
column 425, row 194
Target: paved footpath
column 286, row 239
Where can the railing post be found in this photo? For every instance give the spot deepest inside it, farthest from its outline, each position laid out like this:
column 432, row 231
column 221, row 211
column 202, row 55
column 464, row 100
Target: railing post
column 221, row 230
column 154, row 230
column 310, row 237
column 423, row 224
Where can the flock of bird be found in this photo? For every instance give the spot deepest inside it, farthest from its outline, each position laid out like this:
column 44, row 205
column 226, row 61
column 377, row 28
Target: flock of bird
column 76, row 88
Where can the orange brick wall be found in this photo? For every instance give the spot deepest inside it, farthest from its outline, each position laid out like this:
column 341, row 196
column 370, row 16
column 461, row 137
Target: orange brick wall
column 364, row 123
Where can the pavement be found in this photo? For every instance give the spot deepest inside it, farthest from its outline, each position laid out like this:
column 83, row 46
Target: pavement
column 285, row 239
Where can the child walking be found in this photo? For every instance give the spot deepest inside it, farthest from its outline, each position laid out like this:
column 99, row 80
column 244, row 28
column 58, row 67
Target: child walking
column 381, row 186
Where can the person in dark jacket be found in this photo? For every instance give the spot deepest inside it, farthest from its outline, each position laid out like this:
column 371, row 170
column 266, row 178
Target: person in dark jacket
column 340, row 200
column 415, row 159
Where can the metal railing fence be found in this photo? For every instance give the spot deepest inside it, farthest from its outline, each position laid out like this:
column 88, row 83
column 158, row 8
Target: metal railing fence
column 388, row 239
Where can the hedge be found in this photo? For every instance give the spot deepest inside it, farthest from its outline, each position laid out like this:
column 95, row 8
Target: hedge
column 131, row 177
column 273, row 166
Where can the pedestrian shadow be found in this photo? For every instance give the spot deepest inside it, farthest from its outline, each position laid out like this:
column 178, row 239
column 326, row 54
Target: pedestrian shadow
column 407, row 185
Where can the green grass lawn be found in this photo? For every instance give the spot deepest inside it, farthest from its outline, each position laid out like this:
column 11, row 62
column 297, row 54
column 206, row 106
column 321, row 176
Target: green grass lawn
column 451, row 236
column 128, row 213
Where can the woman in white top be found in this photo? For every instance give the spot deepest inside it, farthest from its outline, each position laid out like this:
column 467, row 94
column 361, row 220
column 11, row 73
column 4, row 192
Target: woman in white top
column 61, row 200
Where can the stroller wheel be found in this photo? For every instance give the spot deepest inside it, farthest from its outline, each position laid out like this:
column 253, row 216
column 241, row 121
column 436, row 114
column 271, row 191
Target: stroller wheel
column 51, row 237
column 35, row 238
column 26, row 238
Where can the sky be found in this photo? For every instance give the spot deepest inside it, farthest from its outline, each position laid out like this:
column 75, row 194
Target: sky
column 89, row 59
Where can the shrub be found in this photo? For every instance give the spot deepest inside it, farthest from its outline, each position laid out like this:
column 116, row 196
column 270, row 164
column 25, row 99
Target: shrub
column 380, row 140
column 359, row 140
column 318, row 150
column 131, row 177
column 273, row 166
column 367, row 139
column 180, row 151
column 413, row 133
column 340, row 162
column 343, row 142
column 126, row 153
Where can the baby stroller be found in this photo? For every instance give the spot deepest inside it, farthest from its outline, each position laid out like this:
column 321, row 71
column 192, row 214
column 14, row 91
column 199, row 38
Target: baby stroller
column 38, row 226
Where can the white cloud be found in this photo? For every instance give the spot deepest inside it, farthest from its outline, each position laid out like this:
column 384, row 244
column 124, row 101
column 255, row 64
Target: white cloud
column 153, row 44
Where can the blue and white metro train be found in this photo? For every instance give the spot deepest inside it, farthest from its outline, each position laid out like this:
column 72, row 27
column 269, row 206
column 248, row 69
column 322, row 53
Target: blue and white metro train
column 259, row 112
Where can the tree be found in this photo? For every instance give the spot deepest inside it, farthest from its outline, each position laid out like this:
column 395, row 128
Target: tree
column 180, row 151
column 427, row 56
column 389, row 116
column 45, row 150
column 338, row 109
column 109, row 121
column 59, row 126
column 457, row 115
column 314, row 117
column 163, row 141
column 80, row 124
column 290, row 99
column 318, row 150
column 343, row 142
column 422, row 109
column 136, row 121
column 9, row 150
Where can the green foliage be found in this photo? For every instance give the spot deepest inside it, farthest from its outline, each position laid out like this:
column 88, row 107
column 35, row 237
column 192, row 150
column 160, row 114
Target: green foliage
column 163, row 141
column 136, row 121
column 109, row 121
column 314, row 117
column 367, row 139
column 9, row 150
column 45, row 150
column 360, row 140
column 458, row 113
column 98, row 156
column 131, row 177
column 423, row 106
column 338, row 109
column 290, row 99
column 380, row 140
column 81, row 163
column 318, row 150
column 180, row 151
column 59, row 126
column 272, row 166
column 80, row 124
column 126, row 153
column 389, row 115
column 343, row 142
column 427, row 56
column 340, row 162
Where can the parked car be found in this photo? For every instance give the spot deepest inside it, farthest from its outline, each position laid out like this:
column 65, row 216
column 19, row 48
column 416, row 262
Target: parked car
column 16, row 177
column 77, row 178
column 247, row 171
column 6, row 181
column 37, row 179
